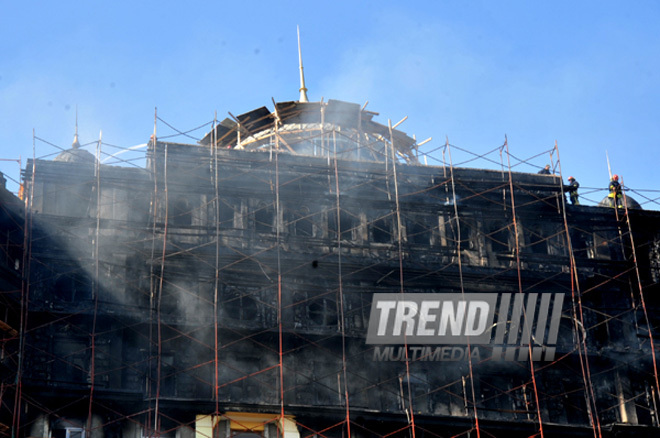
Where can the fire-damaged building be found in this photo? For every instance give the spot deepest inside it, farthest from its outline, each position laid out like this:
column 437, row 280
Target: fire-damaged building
column 237, row 287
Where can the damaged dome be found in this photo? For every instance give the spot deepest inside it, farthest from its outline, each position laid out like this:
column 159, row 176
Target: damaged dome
column 333, row 128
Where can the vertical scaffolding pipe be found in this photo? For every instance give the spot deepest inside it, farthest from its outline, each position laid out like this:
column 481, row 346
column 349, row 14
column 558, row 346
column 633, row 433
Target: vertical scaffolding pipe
column 25, row 295
column 95, row 288
column 216, row 278
column 152, row 276
column 400, row 255
column 592, row 408
column 359, row 131
column 322, row 130
column 640, row 287
column 159, row 298
column 520, row 288
column 460, row 276
column 340, row 291
column 280, row 328
column 502, row 164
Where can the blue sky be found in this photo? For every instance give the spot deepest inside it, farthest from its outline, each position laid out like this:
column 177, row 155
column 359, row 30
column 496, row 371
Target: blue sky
column 585, row 74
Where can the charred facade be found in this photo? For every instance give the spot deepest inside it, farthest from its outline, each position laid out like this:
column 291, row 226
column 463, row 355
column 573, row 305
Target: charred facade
column 225, row 290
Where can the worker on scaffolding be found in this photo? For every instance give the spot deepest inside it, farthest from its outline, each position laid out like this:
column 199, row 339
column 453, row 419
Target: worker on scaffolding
column 615, row 195
column 545, row 170
column 572, row 190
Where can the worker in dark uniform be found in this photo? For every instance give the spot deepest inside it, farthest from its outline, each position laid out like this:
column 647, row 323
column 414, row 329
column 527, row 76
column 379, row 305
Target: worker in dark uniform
column 572, row 190
column 545, row 170
column 615, row 192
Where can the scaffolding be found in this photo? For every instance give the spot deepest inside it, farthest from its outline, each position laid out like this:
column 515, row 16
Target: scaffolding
column 223, row 289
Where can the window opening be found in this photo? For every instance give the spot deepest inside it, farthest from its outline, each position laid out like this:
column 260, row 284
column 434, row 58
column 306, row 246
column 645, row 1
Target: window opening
column 263, row 218
column 381, row 230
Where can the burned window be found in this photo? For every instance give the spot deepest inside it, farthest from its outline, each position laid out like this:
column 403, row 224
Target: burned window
column 226, row 214
column 72, row 288
column 499, row 393
column 347, row 224
column 300, row 309
column 599, row 244
column 557, row 241
column 644, row 405
column 356, row 308
column 582, row 243
column 654, row 257
column 459, row 233
column 264, row 218
column 332, row 224
column 70, row 357
column 444, row 230
column 68, row 198
column 138, row 206
column 381, row 230
column 536, row 240
column 323, row 311
column 418, row 231
column 168, row 372
column 170, row 295
column 418, row 386
column 313, row 311
column 498, row 235
column 573, row 400
column 179, row 212
column 239, row 304
column 302, row 223
column 67, row 428
column 74, row 432
column 605, row 245
column 601, row 247
column 138, row 277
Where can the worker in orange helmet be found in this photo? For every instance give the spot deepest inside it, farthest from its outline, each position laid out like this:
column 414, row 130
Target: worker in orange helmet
column 572, row 190
column 615, row 192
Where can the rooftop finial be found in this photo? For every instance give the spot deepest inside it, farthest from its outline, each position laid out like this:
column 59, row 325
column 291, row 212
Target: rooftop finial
column 76, row 143
column 303, row 90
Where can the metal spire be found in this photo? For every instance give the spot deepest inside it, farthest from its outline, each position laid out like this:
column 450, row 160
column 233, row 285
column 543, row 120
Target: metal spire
column 76, row 143
column 303, row 89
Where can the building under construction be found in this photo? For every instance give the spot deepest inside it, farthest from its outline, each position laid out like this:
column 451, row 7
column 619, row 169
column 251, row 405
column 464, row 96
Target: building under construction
column 225, row 289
